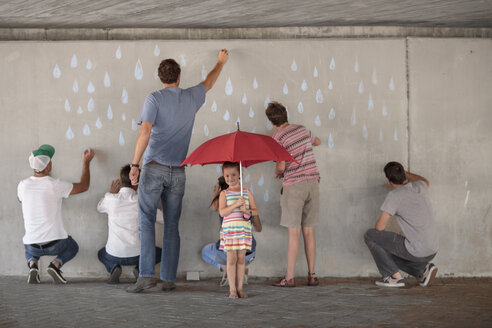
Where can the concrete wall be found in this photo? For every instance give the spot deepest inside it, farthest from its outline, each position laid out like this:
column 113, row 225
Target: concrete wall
column 419, row 101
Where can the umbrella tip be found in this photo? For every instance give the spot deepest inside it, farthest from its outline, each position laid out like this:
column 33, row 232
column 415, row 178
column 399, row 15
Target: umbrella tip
column 237, row 125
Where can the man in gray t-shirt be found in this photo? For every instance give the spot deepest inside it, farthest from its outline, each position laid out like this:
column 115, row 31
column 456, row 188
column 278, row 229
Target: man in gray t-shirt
column 409, row 203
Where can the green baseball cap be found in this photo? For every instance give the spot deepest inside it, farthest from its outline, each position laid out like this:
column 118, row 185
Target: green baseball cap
column 45, row 150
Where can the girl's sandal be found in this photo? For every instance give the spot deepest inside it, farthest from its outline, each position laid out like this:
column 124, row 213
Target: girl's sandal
column 285, row 283
column 312, row 279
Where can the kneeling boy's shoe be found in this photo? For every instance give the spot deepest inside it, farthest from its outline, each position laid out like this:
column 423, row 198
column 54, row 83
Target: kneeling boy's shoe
column 391, row 282
column 429, row 275
column 33, row 276
column 114, row 278
column 135, row 272
column 167, row 286
column 142, row 284
column 56, row 274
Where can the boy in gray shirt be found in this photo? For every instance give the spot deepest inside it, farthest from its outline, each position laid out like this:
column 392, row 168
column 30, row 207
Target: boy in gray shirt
column 409, row 203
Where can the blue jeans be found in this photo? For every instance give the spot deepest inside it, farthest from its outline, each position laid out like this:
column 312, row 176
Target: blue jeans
column 65, row 250
column 216, row 257
column 110, row 261
column 165, row 184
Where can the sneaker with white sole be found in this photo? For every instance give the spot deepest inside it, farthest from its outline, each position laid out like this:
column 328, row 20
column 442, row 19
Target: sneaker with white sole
column 114, row 278
column 33, row 276
column 391, row 282
column 429, row 275
column 56, row 274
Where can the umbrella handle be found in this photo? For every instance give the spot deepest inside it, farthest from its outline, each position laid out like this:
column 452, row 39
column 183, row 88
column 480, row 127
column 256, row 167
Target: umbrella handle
column 240, row 173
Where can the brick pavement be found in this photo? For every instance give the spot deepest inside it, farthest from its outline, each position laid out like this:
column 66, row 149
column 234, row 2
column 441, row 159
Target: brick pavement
column 335, row 303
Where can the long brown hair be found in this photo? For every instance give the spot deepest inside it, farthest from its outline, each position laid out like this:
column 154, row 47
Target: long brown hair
column 222, row 185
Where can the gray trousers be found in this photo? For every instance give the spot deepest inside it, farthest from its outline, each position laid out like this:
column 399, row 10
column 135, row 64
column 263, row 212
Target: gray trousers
column 390, row 254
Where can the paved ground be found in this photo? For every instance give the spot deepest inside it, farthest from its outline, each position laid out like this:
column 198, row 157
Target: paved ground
column 335, row 303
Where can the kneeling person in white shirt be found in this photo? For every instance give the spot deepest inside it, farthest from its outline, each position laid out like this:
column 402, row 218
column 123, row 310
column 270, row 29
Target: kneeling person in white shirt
column 123, row 245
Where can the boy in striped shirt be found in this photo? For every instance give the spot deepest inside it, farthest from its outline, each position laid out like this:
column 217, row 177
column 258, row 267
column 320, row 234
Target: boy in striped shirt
column 300, row 190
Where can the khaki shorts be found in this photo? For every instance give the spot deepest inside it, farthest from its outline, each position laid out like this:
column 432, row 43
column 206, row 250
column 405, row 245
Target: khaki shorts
column 300, row 204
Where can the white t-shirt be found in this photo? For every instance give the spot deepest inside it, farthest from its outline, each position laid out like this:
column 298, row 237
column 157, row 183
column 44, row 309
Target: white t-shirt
column 41, row 199
column 122, row 210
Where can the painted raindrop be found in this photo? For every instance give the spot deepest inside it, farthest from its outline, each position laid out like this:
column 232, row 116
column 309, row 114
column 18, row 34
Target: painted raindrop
column 293, row 67
column 380, row 135
column 98, row 123
column 247, row 178
column 353, row 119
column 86, row 131
column 265, row 197
column 110, row 113
column 228, row 87
column 237, row 121
column 157, row 51
column 69, row 134
column 331, row 143
column 288, row 114
column 285, row 89
column 267, row 101
column 73, row 62
column 214, row 107
column 392, row 84
column 384, row 110
column 244, row 100
column 300, row 107
column 374, row 76
column 67, row 105
column 121, row 140
column 315, row 72
column 156, row 74
column 319, row 97
column 134, row 125
column 205, row 130
column 331, row 116
column 255, row 84
column 90, row 87
column 365, row 134
column 80, row 110
column 304, row 85
column 227, row 116
column 251, row 112
column 183, row 61
column 204, row 73
column 56, row 72
column 75, row 86
column 123, row 117
column 361, row 87
column 261, row 180
column 218, row 168
column 107, row 80
column 395, row 135
column 118, row 53
column 269, row 125
column 252, row 189
column 90, row 105
column 356, row 66
column 330, row 85
column 89, row 64
column 138, row 70
column 124, row 96
column 317, row 121
column 370, row 104
column 332, row 63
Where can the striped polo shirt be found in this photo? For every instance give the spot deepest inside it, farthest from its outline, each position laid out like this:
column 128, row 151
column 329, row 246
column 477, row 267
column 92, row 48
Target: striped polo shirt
column 298, row 141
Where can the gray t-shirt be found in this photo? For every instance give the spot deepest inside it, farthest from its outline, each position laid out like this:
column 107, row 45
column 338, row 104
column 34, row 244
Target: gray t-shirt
column 172, row 114
column 411, row 206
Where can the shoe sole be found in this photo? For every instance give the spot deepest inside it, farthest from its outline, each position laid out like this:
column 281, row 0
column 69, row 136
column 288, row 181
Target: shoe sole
column 115, row 276
column 168, row 288
column 133, row 289
column 389, row 285
column 33, row 277
column 57, row 279
column 433, row 274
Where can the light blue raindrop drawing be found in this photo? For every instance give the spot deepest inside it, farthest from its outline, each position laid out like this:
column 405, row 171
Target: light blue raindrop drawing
column 319, row 97
column 267, row 101
column 157, row 51
column 88, row 65
column 107, row 80
column 56, row 72
column 228, row 87
column 156, row 74
column 304, row 85
column 253, row 130
column 204, row 73
column 255, row 83
column 73, row 62
column 99, row 123
column 86, row 130
column 261, row 180
column 356, row 66
column 395, row 135
column 332, row 63
column 123, row 117
column 124, row 96
column 90, row 105
column 384, row 110
column 193, row 130
column 330, row 85
column 293, row 67
column 67, row 105
column 252, row 189
column 269, row 125
column 392, row 84
column 266, row 196
column 370, row 103
column 251, row 112
column 118, row 53
column 374, row 76
column 218, row 168
column 214, row 107
column 110, row 113
column 69, row 134
column 121, row 139
column 285, row 89
column 365, row 134
column 288, row 114
column 247, row 178
column 138, row 70
column 317, row 121
column 134, row 125
column 300, row 107
column 361, row 87
column 315, row 72
column 75, row 86
column 331, row 116
column 244, row 100
column 90, row 87
column 353, row 119
column 183, row 61
column 80, row 110
column 331, row 142
column 227, row 116
column 205, row 130
column 380, row 135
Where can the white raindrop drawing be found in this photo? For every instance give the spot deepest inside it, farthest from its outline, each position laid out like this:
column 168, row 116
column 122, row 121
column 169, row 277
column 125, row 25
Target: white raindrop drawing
column 80, row 110
column 107, row 80
column 392, row 84
column 227, row 116
column 67, row 105
column 300, row 107
column 331, row 142
column 138, row 70
column 69, row 134
column 266, row 196
column 90, row 105
column 89, row 64
column 124, row 96
column 384, row 111
column 218, row 168
column 214, row 107
column 205, row 130
column 315, row 72
column 269, row 125
column 380, row 135
column 288, row 114
column 237, row 121
column 317, row 121
column 331, row 116
column 255, row 83
column 304, row 85
column 123, row 117
column 157, row 51
column 118, row 53
column 90, row 87
column 370, row 103
column 293, row 67
column 228, row 87
column 267, row 101
column 121, row 139
column 330, row 85
column 467, row 198
column 75, row 86
column 332, row 63
column 319, row 97
column 365, row 134
column 261, row 180
column 374, row 76
column 183, row 61
column 86, row 130
column 356, row 66
column 99, row 123
column 251, row 112
column 245, row 99
column 56, row 72
column 204, row 73
column 156, row 74
column 247, row 178
column 193, row 131
column 285, row 89
column 110, row 113
column 361, row 87
column 252, row 189
column 134, row 125
column 353, row 119
column 73, row 62
column 395, row 135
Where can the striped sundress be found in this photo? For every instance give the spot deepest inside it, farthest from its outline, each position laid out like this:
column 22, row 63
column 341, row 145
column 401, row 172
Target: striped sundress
column 235, row 233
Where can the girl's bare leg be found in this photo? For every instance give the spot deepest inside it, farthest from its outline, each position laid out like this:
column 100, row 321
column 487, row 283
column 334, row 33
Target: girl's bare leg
column 231, row 273
column 241, row 255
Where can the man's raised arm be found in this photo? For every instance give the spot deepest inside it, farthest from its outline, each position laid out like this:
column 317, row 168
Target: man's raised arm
column 215, row 72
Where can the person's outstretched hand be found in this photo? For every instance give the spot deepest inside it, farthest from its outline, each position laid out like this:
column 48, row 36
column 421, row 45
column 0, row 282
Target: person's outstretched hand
column 223, row 56
column 88, row 155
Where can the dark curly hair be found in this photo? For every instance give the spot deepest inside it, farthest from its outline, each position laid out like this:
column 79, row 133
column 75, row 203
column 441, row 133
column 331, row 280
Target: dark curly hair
column 395, row 173
column 276, row 113
column 169, row 71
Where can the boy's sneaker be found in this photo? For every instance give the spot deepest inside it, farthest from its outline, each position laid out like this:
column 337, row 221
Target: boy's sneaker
column 56, row 274
column 224, row 281
column 391, row 282
column 33, row 276
column 135, row 272
column 429, row 275
column 114, row 278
